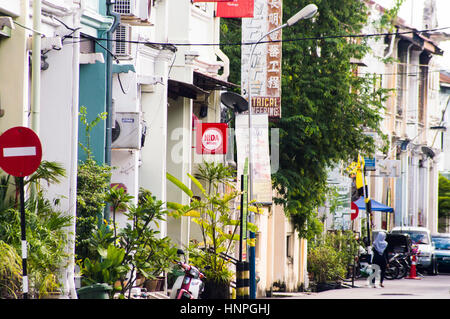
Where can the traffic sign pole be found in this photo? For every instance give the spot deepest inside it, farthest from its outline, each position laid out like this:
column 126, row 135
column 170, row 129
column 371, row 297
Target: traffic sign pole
column 24, row 239
column 20, row 156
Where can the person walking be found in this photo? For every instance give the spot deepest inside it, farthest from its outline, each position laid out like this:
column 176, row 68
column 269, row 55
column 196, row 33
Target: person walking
column 380, row 256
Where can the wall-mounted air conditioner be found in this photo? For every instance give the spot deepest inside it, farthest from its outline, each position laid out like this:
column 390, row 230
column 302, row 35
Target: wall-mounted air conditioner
column 127, row 131
column 132, row 10
column 121, row 46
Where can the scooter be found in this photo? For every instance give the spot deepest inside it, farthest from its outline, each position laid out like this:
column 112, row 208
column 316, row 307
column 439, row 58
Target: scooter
column 190, row 285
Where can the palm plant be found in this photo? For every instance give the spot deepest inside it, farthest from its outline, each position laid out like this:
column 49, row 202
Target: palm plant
column 213, row 212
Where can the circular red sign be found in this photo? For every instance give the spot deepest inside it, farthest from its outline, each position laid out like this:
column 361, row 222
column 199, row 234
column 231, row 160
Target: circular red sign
column 20, row 151
column 355, row 210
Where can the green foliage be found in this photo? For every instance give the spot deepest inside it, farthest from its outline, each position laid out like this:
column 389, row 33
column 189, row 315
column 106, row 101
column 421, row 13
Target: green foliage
column 212, row 211
column 325, row 107
column 10, row 272
column 444, row 197
column 118, row 198
column 330, row 254
column 93, row 181
column 45, row 230
column 89, row 125
column 136, row 250
column 106, row 268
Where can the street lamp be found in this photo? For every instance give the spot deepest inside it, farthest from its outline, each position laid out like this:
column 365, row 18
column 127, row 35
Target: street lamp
column 306, row 13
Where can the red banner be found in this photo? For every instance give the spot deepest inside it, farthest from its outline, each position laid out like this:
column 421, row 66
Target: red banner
column 212, row 0
column 235, row 9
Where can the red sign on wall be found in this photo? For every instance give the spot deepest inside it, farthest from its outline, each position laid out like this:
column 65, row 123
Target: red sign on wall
column 212, row 138
column 235, row 9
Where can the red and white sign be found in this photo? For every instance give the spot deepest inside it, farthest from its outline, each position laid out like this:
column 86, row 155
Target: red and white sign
column 20, row 151
column 354, row 210
column 212, row 0
column 235, row 9
column 212, row 138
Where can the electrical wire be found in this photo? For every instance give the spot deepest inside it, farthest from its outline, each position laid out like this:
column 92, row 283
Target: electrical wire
column 276, row 41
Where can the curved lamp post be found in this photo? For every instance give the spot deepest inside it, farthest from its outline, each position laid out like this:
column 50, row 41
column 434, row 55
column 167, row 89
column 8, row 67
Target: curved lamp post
column 306, row 13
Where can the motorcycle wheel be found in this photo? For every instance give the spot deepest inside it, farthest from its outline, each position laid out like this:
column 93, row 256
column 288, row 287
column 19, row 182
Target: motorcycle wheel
column 391, row 272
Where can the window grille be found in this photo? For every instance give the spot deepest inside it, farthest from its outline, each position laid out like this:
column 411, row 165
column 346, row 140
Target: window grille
column 123, row 6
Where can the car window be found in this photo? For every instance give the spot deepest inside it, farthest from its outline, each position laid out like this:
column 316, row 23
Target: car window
column 417, row 237
column 442, row 243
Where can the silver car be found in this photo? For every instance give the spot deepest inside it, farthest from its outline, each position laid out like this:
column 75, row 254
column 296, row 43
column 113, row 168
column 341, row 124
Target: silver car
column 421, row 237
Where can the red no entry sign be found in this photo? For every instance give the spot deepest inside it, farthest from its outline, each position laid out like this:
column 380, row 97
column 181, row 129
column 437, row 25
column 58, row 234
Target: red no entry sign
column 20, row 151
column 354, row 210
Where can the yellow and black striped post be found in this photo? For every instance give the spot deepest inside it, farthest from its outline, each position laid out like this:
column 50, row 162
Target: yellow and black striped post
column 242, row 280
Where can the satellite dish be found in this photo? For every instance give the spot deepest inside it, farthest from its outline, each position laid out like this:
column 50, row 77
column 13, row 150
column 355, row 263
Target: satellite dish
column 234, row 101
column 428, row 151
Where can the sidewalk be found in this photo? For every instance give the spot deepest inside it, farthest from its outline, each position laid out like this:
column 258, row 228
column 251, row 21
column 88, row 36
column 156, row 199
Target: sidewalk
column 429, row 287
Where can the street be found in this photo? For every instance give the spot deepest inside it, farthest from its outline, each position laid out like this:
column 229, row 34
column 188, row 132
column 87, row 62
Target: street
column 429, row 287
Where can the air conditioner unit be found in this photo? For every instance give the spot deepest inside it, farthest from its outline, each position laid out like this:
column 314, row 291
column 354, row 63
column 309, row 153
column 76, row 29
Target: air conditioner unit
column 121, row 45
column 133, row 9
column 127, row 132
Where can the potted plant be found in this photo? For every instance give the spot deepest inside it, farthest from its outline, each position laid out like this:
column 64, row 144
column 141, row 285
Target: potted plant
column 100, row 274
column 213, row 212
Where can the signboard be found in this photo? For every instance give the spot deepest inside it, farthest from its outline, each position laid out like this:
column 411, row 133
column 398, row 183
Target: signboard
column 212, row 138
column 20, row 151
column 265, row 64
column 341, row 217
column 388, row 168
column 267, row 105
column 369, row 164
column 235, row 9
column 262, row 182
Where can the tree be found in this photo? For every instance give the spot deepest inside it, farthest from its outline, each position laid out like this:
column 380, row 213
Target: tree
column 443, row 200
column 326, row 107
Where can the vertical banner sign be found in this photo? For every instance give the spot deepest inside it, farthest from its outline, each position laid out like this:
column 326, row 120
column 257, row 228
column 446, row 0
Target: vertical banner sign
column 20, row 156
column 262, row 182
column 342, row 198
column 265, row 81
column 235, row 9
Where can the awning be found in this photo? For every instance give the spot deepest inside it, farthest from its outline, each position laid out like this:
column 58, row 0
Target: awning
column 419, row 39
column 376, row 206
column 210, row 83
column 123, row 68
column 178, row 88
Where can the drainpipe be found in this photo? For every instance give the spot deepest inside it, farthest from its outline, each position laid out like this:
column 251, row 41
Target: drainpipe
column 36, row 68
column 70, row 274
column 109, row 76
column 391, row 46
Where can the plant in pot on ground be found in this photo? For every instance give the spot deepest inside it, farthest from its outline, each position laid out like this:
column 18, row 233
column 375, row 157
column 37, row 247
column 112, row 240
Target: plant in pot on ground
column 213, row 212
column 134, row 251
column 329, row 257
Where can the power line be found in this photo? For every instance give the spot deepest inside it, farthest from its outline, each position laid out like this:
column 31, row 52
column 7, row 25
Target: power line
column 270, row 41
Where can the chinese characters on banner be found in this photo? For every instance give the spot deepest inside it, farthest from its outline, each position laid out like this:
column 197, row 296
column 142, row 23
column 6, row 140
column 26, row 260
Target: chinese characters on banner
column 265, row 80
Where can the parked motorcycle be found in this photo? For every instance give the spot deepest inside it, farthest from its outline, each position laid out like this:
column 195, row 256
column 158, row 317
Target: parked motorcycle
column 190, row 284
